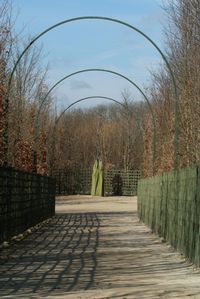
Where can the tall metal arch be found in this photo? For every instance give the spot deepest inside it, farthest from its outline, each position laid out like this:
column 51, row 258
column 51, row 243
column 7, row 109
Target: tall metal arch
column 84, row 99
column 36, row 129
column 176, row 139
column 74, row 103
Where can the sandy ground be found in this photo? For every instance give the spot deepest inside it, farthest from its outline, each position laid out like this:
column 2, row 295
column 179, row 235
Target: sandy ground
column 88, row 204
column 96, row 248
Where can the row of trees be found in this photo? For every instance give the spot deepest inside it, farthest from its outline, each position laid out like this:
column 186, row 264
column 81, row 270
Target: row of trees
column 121, row 136
column 27, row 90
column 182, row 49
column 109, row 132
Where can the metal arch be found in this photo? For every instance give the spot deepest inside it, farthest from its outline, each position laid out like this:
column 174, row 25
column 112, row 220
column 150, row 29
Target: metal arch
column 176, row 140
column 36, row 129
column 95, row 70
column 78, row 101
column 92, row 97
column 84, row 99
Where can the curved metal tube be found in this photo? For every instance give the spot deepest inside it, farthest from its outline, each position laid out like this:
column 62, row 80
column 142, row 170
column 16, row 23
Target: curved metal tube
column 36, row 128
column 92, row 97
column 176, row 141
column 78, row 101
column 84, row 99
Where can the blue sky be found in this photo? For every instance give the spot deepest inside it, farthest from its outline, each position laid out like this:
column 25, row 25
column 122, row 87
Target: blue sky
column 95, row 43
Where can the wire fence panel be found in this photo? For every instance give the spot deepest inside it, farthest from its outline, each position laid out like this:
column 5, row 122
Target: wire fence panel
column 170, row 205
column 73, row 181
column 121, row 182
column 25, row 200
column 79, row 181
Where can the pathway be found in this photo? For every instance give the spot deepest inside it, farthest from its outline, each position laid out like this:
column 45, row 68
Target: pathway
column 95, row 248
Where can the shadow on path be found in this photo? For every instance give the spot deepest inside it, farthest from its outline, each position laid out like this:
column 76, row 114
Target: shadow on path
column 59, row 256
column 106, row 254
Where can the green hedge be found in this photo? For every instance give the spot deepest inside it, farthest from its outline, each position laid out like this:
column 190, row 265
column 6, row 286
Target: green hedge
column 170, row 204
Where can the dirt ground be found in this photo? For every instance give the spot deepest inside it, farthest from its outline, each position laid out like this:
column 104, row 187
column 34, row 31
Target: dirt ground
column 88, row 204
column 96, row 248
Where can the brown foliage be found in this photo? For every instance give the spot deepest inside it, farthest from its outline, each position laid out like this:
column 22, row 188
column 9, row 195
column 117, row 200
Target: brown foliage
column 123, row 138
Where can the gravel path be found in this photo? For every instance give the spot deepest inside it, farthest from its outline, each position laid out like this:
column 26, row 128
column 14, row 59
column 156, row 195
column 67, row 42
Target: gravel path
column 95, row 248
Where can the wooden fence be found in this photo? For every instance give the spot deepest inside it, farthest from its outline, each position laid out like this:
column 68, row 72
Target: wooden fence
column 170, row 205
column 25, row 200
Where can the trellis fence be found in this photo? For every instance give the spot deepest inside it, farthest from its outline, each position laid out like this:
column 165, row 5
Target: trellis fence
column 25, row 200
column 121, row 182
column 78, row 181
column 170, row 205
column 73, row 181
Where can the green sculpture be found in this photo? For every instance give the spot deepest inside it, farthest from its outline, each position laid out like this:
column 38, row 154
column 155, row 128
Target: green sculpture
column 97, row 179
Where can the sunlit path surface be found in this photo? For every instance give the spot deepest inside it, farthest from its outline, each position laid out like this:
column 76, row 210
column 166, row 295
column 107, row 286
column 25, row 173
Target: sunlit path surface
column 95, row 248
